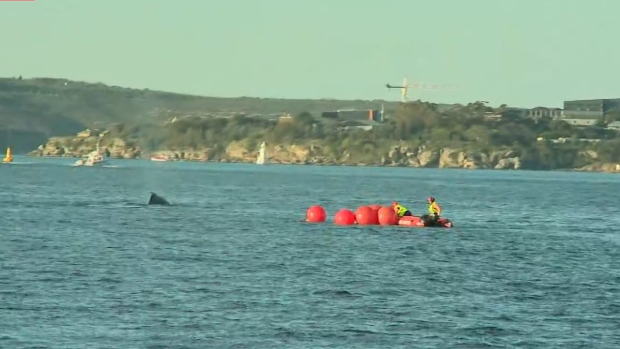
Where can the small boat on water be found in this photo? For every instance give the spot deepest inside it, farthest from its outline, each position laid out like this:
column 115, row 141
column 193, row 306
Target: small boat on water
column 160, row 158
column 94, row 158
column 8, row 158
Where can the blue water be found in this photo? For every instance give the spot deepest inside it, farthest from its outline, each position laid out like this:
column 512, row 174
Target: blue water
column 534, row 260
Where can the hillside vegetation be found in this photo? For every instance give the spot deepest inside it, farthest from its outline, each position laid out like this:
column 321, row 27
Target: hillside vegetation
column 417, row 134
column 230, row 129
column 45, row 107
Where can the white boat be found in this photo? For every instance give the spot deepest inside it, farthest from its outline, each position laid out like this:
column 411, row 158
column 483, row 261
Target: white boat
column 262, row 155
column 160, row 158
column 94, row 158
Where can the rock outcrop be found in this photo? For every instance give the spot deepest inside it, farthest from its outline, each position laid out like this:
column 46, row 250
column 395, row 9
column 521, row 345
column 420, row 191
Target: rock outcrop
column 451, row 158
column 313, row 154
column 600, row 167
column 80, row 146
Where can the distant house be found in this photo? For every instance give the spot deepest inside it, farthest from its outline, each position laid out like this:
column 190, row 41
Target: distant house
column 614, row 125
column 540, row 112
column 329, row 115
column 359, row 127
column 581, row 122
column 350, row 114
column 590, row 109
column 285, row 118
column 87, row 133
column 512, row 112
column 493, row 115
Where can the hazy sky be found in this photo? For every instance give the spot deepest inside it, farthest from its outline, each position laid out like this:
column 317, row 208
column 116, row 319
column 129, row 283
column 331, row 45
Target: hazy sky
column 520, row 52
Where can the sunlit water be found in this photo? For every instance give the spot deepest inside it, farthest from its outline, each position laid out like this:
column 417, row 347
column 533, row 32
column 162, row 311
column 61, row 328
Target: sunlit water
column 533, row 262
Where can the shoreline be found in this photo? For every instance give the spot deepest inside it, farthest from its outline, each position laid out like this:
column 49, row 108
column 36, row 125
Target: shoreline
column 573, row 170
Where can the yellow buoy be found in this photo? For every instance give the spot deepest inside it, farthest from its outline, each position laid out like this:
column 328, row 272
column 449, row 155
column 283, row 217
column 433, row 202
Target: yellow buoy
column 8, row 157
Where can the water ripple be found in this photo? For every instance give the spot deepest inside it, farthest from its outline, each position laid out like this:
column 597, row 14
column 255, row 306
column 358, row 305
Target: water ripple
column 85, row 264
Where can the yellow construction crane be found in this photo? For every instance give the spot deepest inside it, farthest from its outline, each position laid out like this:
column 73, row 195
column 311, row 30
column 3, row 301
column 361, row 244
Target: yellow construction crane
column 406, row 86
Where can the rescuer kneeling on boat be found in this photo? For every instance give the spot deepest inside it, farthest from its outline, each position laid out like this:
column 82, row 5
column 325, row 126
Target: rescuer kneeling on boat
column 401, row 211
column 434, row 211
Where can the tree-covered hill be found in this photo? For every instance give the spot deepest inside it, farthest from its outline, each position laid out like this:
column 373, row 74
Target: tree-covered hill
column 38, row 108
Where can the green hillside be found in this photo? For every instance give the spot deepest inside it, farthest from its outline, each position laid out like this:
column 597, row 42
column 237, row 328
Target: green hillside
column 38, row 108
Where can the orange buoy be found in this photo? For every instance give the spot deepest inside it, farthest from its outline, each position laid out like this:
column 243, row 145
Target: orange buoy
column 387, row 216
column 365, row 215
column 344, row 217
column 315, row 214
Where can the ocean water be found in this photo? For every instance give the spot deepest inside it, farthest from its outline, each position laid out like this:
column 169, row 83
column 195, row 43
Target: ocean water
column 534, row 260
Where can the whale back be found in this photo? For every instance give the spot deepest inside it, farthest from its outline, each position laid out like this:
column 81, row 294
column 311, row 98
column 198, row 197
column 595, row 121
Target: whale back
column 158, row 200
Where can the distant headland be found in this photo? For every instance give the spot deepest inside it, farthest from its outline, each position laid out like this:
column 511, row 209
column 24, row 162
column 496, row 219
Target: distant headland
column 47, row 114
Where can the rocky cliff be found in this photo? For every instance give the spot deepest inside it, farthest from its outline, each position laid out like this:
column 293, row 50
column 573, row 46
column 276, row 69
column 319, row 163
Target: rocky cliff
column 401, row 156
column 78, row 147
column 398, row 156
column 451, row 158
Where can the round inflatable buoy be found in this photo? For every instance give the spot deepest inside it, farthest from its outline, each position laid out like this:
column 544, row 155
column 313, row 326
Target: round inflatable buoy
column 344, row 217
column 315, row 214
column 366, row 216
column 387, row 216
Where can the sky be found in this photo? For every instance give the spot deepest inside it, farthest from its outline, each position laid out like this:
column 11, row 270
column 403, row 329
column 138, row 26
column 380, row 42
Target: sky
column 524, row 53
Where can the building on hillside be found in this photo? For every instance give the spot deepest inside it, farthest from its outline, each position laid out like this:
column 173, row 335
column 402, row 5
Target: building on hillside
column 541, row 112
column 492, row 115
column 284, row 118
column 590, row 109
column 358, row 115
column 534, row 113
column 358, row 127
column 88, row 133
column 329, row 115
column 514, row 112
column 508, row 112
column 614, row 126
column 581, row 122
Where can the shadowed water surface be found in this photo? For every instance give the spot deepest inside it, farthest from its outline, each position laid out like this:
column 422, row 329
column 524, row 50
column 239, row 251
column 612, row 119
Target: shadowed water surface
column 532, row 263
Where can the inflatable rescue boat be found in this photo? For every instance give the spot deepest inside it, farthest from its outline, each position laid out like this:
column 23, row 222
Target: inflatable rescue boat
column 419, row 222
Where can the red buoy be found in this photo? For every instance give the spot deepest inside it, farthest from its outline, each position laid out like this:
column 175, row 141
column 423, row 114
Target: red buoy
column 344, row 217
column 366, row 216
column 315, row 214
column 387, row 216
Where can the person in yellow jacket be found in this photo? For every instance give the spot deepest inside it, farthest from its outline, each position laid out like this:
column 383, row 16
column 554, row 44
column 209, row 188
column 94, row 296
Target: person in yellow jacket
column 434, row 210
column 401, row 210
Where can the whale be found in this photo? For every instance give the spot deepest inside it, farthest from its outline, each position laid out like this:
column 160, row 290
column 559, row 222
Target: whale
column 158, row 200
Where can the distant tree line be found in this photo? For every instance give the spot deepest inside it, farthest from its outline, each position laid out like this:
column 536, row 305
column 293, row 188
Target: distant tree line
column 56, row 107
column 413, row 124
